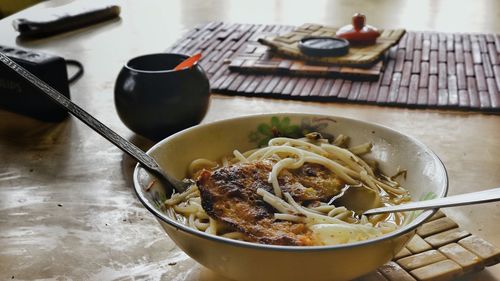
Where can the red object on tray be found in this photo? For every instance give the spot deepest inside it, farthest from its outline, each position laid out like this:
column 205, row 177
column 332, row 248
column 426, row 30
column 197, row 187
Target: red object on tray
column 358, row 33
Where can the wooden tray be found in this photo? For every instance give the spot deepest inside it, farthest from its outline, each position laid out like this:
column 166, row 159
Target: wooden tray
column 426, row 69
column 257, row 59
column 287, row 44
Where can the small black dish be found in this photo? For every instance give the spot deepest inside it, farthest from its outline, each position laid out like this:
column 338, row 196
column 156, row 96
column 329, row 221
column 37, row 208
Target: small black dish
column 324, row 46
column 155, row 101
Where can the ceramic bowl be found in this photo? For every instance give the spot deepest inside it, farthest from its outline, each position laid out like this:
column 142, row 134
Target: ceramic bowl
column 155, row 101
column 248, row 261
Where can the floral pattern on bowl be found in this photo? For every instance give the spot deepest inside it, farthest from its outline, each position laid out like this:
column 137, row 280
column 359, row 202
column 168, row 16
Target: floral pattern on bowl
column 283, row 127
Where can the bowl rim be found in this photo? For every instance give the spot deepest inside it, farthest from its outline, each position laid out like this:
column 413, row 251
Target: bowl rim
column 179, row 226
column 128, row 66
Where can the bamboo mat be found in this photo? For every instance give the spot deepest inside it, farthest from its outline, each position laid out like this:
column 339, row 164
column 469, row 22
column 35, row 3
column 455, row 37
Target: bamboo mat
column 426, row 69
column 440, row 250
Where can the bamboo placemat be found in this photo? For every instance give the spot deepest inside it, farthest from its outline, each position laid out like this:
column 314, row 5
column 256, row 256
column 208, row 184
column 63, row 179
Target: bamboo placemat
column 440, row 250
column 426, row 69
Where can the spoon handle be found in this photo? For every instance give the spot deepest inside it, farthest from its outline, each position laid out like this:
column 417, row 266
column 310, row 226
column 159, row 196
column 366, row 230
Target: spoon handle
column 85, row 117
column 188, row 62
column 485, row 196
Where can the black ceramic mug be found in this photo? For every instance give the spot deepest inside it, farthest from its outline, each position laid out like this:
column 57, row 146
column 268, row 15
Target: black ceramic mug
column 155, row 101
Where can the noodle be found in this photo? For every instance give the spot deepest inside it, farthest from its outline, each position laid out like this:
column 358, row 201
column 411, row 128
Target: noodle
column 328, row 223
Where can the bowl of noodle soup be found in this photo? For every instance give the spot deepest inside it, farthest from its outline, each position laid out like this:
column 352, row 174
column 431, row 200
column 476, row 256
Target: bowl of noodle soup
column 274, row 196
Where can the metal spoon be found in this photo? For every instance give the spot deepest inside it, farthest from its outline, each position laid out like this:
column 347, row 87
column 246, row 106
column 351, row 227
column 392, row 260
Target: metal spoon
column 485, row 196
column 147, row 161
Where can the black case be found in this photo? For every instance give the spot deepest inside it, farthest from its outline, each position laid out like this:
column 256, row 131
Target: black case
column 17, row 95
column 64, row 19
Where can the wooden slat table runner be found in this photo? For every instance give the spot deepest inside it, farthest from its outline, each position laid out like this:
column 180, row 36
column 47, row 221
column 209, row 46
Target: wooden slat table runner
column 426, row 69
column 440, row 250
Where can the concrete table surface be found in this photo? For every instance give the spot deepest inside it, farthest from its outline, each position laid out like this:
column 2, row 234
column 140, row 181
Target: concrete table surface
column 67, row 210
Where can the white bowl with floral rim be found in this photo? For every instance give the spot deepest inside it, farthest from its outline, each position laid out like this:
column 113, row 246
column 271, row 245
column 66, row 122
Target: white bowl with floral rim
column 239, row 260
